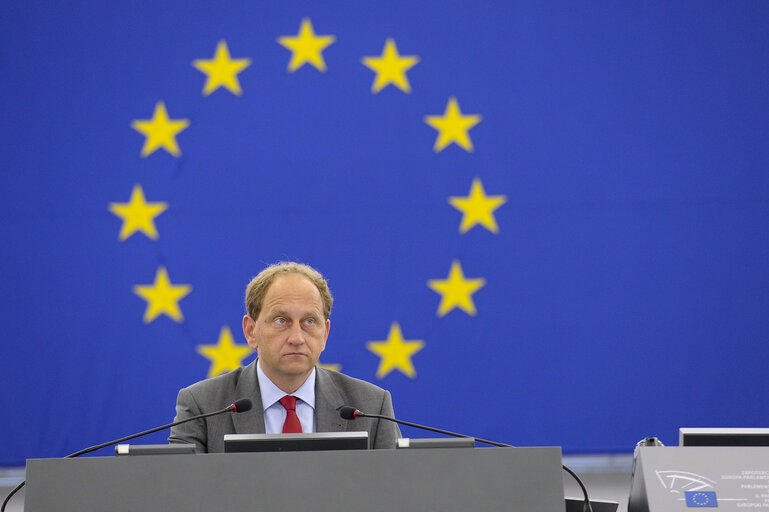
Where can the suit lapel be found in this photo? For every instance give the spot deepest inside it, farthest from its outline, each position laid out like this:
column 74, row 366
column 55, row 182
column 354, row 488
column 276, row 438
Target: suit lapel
column 251, row 422
column 327, row 401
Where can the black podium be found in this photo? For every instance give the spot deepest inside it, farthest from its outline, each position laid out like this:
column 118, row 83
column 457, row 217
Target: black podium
column 441, row 480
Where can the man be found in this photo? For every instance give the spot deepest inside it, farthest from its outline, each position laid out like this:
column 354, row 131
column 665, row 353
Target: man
column 287, row 322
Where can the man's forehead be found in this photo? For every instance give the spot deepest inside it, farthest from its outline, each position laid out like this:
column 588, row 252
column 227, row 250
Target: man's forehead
column 292, row 288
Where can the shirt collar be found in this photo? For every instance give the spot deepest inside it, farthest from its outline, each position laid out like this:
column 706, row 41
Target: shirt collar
column 272, row 393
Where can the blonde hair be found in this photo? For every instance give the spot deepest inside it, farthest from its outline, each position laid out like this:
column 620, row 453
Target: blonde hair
column 257, row 288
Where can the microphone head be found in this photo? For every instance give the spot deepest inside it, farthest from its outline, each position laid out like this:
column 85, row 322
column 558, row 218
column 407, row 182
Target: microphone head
column 242, row 405
column 348, row 413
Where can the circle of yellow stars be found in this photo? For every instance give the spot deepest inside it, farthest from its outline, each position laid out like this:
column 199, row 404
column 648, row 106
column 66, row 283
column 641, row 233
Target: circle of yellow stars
column 306, row 47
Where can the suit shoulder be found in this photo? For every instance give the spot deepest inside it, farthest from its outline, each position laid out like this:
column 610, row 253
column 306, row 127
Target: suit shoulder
column 215, row 390
column 351, row 383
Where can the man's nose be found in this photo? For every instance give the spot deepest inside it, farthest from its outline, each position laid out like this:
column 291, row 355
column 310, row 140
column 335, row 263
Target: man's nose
column 296, row 335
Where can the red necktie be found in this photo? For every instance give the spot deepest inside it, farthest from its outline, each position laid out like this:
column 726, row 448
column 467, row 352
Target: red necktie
column 292, row 424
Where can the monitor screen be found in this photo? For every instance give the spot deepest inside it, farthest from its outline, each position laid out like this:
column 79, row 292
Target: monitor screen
column 723, row 437
column 239, row 443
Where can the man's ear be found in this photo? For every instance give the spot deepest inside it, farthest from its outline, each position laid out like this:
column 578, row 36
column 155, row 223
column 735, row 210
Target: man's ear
column 249, row 331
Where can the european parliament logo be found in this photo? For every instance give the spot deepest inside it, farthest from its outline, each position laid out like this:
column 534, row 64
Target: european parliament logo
column 701, row 499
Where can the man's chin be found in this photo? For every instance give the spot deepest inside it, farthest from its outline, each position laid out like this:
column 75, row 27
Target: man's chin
column 298, row 368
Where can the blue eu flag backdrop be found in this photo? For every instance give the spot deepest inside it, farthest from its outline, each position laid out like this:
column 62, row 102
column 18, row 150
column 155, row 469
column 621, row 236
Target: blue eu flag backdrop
column 543, row 223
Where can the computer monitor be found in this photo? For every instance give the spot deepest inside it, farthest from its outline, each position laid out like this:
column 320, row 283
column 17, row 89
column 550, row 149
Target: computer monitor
column 723, row 437
column 240, row 443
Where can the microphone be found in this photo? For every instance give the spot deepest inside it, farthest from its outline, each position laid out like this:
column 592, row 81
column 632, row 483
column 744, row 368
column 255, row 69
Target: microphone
column 240, row 405
column 351, row 413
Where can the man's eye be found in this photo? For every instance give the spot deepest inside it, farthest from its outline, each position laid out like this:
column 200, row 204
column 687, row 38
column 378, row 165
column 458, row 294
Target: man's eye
column 280, row 321
column 310, row 321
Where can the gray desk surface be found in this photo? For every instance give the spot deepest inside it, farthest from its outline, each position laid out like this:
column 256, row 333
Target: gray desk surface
column 380, row 480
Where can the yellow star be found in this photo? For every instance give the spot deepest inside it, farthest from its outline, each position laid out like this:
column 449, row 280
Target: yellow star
column 390, row 68
column 160, row 131
column 222, row 70
column 138, row 214
column 162, row 297
column 456, row 291
column 477, row 208
column 395, row 352
column 225, row 356
column 453, row 127
column 306, row 47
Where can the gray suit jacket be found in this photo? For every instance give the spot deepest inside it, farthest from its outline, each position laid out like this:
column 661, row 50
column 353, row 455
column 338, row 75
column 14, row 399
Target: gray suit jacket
column 332, row 390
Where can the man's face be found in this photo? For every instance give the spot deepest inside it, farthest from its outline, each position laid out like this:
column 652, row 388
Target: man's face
column 290, row 332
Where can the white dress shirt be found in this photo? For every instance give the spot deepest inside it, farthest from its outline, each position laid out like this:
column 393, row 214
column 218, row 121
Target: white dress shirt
column 275, row 413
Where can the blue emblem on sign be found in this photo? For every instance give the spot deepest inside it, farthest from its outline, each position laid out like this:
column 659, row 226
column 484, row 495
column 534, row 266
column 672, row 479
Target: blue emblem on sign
column 701, row 499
